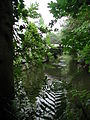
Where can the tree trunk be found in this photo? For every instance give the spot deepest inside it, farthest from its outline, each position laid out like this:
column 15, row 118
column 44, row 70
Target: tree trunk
column 6, row 50
column 6, row 59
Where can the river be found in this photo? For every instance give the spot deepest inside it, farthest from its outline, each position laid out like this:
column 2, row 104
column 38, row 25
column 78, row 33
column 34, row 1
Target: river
column 43, row 86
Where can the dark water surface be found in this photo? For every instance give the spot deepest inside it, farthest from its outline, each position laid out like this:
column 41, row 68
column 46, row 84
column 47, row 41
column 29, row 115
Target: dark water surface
column 43, row 86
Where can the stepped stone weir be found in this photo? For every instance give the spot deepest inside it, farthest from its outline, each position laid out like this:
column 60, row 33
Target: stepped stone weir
column 51, row 104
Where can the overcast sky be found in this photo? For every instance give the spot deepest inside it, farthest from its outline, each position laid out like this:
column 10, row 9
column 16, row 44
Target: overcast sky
column 44, row 11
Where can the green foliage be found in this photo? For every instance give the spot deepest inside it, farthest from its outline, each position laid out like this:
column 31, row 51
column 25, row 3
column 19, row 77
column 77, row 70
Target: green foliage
column 65, row 7
column 32, row 45
column 29, row 48
column 32, row 11
column 75, row 38
column 16, row 6
column 42, row 27
column 20, row 11
column 78, row 103
column 85, row 55
column 47, row 39
column 23, row 109
column 41, row 22
column 53, row 38
column 28, row 44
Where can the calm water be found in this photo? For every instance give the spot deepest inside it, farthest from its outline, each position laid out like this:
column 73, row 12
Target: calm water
column 43, row 85
column 62, row 70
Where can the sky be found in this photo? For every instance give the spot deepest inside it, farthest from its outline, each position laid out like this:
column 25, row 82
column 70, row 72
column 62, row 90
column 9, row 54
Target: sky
column 44, row 11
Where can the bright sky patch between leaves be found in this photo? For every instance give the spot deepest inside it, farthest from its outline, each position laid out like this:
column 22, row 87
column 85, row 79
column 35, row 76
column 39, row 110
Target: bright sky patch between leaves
column 44, row 11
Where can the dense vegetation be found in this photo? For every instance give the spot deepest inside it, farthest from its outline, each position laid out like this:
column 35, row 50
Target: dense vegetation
column 75, row 38
column 30, row 45
column 76, row 41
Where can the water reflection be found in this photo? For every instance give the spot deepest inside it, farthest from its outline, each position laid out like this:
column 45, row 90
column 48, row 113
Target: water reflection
column 34, row 80
column 63, row 69
column 80, row 77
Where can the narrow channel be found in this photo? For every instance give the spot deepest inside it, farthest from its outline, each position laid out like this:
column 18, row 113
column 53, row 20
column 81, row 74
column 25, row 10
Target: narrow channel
column 45, row 90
